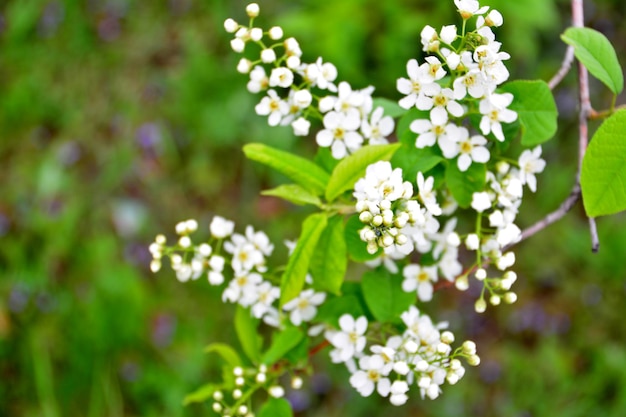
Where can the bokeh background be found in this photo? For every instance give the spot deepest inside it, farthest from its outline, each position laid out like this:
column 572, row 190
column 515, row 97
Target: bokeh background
column 118, row 118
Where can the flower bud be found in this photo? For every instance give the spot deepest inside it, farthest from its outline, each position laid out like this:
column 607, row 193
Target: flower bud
column 238, row 45
column 253, row 9
column 240, row 381
column 461, row 283
column 217, row 407
column 469, row 347
column 474, row 360
column 510, row 297
column 472, row 242
column 261, row 378
column 296, row 382
column 366, row 217
column 447, row 337
column 410, row 346
column 256, row 34
column 480, row 306
column 230, row 25
column 268, row 56
column 276, row 33
column 184, row 241
column 218, row 396
column 242, row 410
column 480, row 274
column 377, row 220
column 155, row 265
column 401, row 239
column 401, row 368
column 237, row 393
column 494, row 300
column 276, row 391
column 160, row 239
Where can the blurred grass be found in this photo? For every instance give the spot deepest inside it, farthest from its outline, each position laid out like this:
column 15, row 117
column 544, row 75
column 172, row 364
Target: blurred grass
column 119, row 118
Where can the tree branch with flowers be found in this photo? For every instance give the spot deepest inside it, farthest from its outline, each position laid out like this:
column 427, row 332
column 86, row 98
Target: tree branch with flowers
column 430, row 207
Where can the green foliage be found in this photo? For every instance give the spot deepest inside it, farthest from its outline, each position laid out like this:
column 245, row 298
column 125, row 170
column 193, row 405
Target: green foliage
column 384, row 295
column 276, row 407
column 282, row 343
column 229, row 354
column 390, row 108
column 351, row 168
column 463, row 184
column 293, row 279
column 200, row 395
column 603, row 176
column 294, row 193
column 536, row 110
column 246, row 327
column 597, row 54
column 301, row 170
column 330, row 260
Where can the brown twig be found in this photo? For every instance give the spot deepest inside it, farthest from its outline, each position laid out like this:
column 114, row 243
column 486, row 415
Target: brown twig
column 578, row 20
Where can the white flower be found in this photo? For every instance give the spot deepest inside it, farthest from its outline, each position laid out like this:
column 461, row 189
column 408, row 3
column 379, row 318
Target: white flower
column 347, row 99
column 481, row 201
column 469, row 8
column 443, row 103
column 292, row 47
column 340, row 133
column 302, row 98
column 322, row 75
column 448, row 34
column 530, row 163
column 429, row 132
column 429, row 39
column 242, row 289
column 266, row 294
column 510, row 233
column 416, row 88
column 494, row 18
column 470, row 149
column 273, row 106
column 258, row 80
column 221, row 228
column 281, row 77
column 427, row 194
column 398, row 392
column 350, row 340
column 371, row 375
column 301, row 126
column 216, row 265
column 420, row 279
column 378, row 127
column 494, row 111
column 304, row 307
column 472, row 83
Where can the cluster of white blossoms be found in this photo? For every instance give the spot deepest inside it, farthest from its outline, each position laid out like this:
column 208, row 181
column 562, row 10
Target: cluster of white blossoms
column 245, row 255
column 234, row 402
column 458, row 79
column 421, row 355
column 399, row 223
column 297, row 92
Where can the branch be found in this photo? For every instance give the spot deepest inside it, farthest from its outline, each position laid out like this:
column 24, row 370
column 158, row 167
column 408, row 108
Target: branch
column 578, row 20
column 566, row 65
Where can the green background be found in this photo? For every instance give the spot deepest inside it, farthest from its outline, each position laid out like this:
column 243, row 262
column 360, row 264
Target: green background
column 118, row 118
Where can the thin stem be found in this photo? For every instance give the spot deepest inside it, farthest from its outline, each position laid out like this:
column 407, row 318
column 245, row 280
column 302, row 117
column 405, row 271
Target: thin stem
column 566, row 65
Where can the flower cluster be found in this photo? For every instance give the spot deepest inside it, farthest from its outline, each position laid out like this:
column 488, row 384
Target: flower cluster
column 421, row 355
column 297, row 92
column 251, row 285
column 235, row 402
column 457, row 80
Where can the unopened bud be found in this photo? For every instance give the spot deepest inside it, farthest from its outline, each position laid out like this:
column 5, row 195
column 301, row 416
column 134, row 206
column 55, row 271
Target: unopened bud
column 510, row 297
column 494, row 300
column 447, row 337
column 461, row 283
column 253, row 9
column 474, row 360
column 366, row 217
column 480, row 306
column 296, row 382
column 378, row 220
column 480, row 274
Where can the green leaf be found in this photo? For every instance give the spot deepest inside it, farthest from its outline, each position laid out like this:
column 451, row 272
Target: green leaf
column 384, row 295
column 357, row 249
column 293, row 278
column 463, row 184
column 330, row 260
column 536, row 110
column 282, row 343
column 294, row 193
column 246, row 328
column 597, row 54
column 300, row 353
column 603, row 176
column 276, row 407
column 201, row 394
column 390, row 107
column 413, row 160
column 301, row 170
column 332, row 309
column 350, row 169
column 226, row 352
